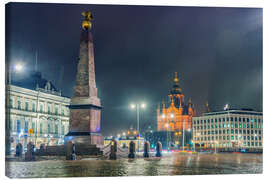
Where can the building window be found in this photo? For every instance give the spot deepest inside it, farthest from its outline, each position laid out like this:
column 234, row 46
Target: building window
column 10, row 124
column 240, row 131
column 259, row 125
column 255, row 126
column 244, row 131
column 244, row 137
column 49, row 128
column 26, row 106
column 216, row 120
column 228, row 131
column 198, row 121
column 19, row 104
column 56, row 110
column 41, row 108
column 224, row 137
column 240, row 120
column 260, row 138
column 33, row 126
column 223, row 119
column 228, row 119
column 244, row 125
column 26, row 126
column 219, row 120
column 11, row 103
column 248, row 131
column 49, row 109
column 259, row 131
column 18, row 126
column 231, row 125
column 232, row 137
column 248, row 137
column 33, row 107
column 247, row 125
column 231, row 119
column 56, row 129
column 40, row 128
column 236, row 126
column 240, row 125
column 244, row 120
column 219, row 125
column 251, row 125
column 228, row 137
column 236, row 131
column 224, row 131
column 232, row 131
column 63, row 112
column 228, row 125
column 247, row 119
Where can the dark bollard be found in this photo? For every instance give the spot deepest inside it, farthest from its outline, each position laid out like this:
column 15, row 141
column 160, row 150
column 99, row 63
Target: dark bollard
column 70, row 151
column 19, row 150
column 131, row 150
column 146, row 148
column 113, row 150
column 30, row 154
column 73, row 155
column 158, row 149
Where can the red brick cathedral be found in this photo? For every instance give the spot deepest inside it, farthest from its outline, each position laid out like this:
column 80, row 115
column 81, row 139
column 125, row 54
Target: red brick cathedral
column 176, row 113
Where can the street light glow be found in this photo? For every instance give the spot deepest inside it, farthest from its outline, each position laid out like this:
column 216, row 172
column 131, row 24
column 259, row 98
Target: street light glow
column 163, row 116
column 143, row 105
column 18, row 67
column 132, row 106
column 172, row 115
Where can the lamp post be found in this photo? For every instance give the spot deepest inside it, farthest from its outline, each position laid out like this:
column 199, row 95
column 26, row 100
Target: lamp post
column 138, row 106
column 183, row 143
column 167, row 126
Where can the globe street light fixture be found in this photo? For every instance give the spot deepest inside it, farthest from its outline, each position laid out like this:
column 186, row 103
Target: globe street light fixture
column 138, row 106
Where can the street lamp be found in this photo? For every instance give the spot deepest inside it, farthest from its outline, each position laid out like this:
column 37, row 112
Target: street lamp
column 167, row 126
column 138, row 106
column 17, row 68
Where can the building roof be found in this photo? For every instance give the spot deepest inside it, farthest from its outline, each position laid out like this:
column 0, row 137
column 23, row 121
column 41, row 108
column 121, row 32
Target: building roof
column 234, row 111
column 35, row 81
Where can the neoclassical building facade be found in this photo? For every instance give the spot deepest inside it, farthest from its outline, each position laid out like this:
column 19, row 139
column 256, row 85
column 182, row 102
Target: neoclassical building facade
column 39, row 115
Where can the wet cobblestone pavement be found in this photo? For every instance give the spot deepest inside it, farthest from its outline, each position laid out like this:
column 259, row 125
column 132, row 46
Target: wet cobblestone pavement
column 175, row 164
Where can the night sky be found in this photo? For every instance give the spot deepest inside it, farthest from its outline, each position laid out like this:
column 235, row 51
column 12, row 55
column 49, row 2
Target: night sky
column 217, row 51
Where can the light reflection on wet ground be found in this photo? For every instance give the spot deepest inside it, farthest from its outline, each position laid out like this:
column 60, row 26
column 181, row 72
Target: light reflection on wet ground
column 176, row 164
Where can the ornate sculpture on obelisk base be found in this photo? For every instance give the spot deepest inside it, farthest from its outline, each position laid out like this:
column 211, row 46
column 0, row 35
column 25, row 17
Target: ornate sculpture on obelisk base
column 85, row 106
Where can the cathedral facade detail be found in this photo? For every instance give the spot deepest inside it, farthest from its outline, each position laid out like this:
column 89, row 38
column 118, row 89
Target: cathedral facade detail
column 176, row 115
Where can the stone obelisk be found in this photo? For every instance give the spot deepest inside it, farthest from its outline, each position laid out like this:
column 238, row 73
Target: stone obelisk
column 85, row 106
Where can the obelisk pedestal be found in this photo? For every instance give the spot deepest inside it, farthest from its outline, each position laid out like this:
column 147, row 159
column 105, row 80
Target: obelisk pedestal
column 85, row 106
